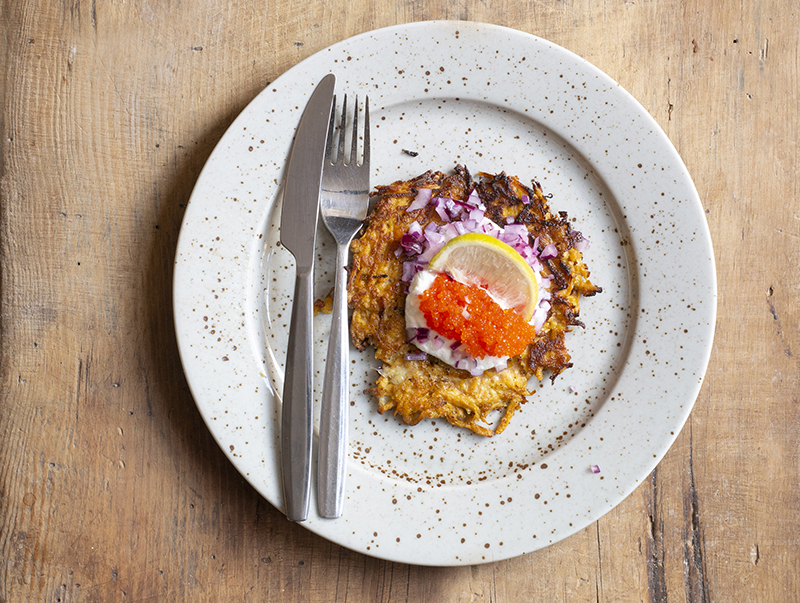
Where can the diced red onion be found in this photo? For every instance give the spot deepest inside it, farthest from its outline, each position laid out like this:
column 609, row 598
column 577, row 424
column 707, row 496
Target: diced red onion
column 540, row 315
column 412, row 243
column 470, row 225
column 490, row 228
column 418, row 334
column 535, row 264
column 518, row 230
column 449, row 209
column 421, row 200
column 432, row 232
column 594, row 468
column 452, row 208
column 516, row 235
column 464, row 363
column 582, row 244
column 455, row 208
column 442, row 211
column 409, row 270
column 475, row 370
column 435, row 240
column 416, row 356
column 549, row 252
column 526, row 199
column 425, row 257
column 477, row 215
column 448, row 231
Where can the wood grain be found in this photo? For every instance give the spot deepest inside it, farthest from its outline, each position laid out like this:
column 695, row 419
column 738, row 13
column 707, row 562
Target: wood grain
column 111, row 488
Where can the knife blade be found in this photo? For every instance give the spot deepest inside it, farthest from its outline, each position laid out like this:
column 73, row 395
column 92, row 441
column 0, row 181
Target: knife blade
column 298, row 232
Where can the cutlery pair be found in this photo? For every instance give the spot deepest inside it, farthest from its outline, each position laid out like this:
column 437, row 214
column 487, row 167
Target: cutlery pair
column 321, row 178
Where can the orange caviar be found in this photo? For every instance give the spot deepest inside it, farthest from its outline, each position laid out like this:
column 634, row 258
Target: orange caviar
column 468, row 314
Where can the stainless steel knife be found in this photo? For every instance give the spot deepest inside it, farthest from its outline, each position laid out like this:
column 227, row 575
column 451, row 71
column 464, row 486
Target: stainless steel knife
column 298, row 230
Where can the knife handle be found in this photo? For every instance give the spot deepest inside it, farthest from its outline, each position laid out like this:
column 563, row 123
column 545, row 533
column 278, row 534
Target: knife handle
column 296, row 418
column 334, row 413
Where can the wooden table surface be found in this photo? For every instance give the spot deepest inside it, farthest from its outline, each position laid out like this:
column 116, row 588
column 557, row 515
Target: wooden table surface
column 112, row 488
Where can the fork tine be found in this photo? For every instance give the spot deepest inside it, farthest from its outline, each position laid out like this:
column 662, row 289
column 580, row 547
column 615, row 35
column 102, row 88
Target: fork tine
column 354, row 144
column 331, row 128
column 340, row 154
column 366, row 132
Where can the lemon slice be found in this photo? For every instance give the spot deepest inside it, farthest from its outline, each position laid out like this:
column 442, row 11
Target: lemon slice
column 481, row 260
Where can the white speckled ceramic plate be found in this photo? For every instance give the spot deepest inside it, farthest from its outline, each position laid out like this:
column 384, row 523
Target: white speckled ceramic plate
column 493, row 99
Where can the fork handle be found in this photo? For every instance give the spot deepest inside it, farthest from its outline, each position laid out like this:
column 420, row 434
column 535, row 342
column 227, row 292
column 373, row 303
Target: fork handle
column 335, row 400
column 296, row 419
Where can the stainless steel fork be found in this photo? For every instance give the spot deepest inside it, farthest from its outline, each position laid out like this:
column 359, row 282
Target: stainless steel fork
column 344, row 202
